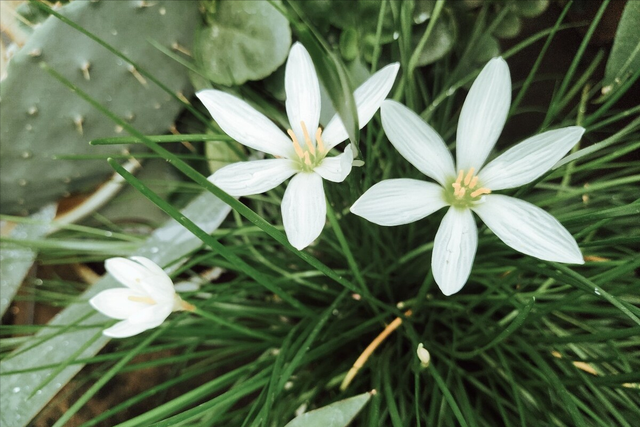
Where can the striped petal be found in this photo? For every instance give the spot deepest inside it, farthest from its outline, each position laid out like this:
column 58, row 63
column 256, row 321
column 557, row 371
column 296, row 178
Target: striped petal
column 483, row 115
column 337, row 168
column 399, row 201
column 368, row 98
column 417, row 142
column 245, row 124
column 116, row 304
column 303, row 92
column 126, row 329
column 454, row 249
column 255, row 177
column 530, row 159
column 304, row 209
column 528, row 229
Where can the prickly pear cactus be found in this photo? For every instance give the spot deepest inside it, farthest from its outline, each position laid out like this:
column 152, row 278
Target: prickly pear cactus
column 42, row 120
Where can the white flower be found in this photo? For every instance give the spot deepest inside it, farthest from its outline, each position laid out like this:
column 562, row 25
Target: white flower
column 521, row 225
column 147, row 300
column 423, row 355
column 302, row 153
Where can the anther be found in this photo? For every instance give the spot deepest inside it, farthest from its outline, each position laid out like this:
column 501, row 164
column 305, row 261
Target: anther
column 296, row 144
column 307, row 139
column 467, row 179
column 460, row 176
column 473, row 182
column 480, row 191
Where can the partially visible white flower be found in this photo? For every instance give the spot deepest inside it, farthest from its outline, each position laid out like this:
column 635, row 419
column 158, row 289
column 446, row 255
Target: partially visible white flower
column 423, row 355
column 302, row 154
column 147, row 300
column 519, row 224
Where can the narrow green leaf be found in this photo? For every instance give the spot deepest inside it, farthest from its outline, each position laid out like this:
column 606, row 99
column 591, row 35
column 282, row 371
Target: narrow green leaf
column 338, row 414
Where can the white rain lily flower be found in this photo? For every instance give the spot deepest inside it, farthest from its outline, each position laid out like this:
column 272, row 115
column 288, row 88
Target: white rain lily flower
column 147, row 300
column 519, row 224
column 303, row 153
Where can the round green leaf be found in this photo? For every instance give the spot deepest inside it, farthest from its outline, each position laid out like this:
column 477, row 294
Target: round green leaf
column 245, row 40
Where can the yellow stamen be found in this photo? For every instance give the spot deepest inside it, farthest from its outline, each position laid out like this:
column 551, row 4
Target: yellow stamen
column 296, row 144
column 319, row 141
column 307, row 139
column 146, row 300
column 460, row 176
column 480, row 191
column 467, row 179
column 473, row 182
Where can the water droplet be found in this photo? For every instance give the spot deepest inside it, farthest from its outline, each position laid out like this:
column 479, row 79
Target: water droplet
column 396, row 35
column 451, row 91
column 154, row 250
column 28, row 127
column 32, row 111
column 26, row 154
column 16, row 389
column 163, row 11
column 596, row 291
column 108, row 234
column 22, row 182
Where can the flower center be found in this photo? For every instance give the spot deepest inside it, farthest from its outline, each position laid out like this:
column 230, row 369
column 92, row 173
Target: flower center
column 465, row 189
column 309, row 154
column 145, row 300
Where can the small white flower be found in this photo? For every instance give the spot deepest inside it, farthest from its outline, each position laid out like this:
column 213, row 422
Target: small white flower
column 302, row 153
column 519, row 224
column 147, row 300
column 423, row 355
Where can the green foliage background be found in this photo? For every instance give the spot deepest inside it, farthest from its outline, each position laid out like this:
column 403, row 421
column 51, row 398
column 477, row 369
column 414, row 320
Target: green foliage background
column 527, row 342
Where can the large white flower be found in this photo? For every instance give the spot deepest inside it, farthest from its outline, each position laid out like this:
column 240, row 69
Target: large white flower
column 519, row 224
column 302, row 153
column 147, row 300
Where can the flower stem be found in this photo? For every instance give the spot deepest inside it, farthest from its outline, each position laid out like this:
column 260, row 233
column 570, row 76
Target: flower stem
column 359, row 363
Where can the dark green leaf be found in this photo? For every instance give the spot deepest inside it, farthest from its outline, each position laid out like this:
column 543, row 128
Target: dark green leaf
column 245, row 40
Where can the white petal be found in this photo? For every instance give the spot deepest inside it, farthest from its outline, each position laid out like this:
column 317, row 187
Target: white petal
column 160, row 279
column 153, row 314
column 303, row 92
column 127, row 272
column 139, row 278
column 115, row 303
column 483, row 115
column 530, row 159
column 255, row 177
column 126, row 329
column 336, row 168
column 245, row 124
column 528, row 229
column 454, row 249
column 399, row 201
column 368, row 98
column 304, row 209
column 417, row 142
